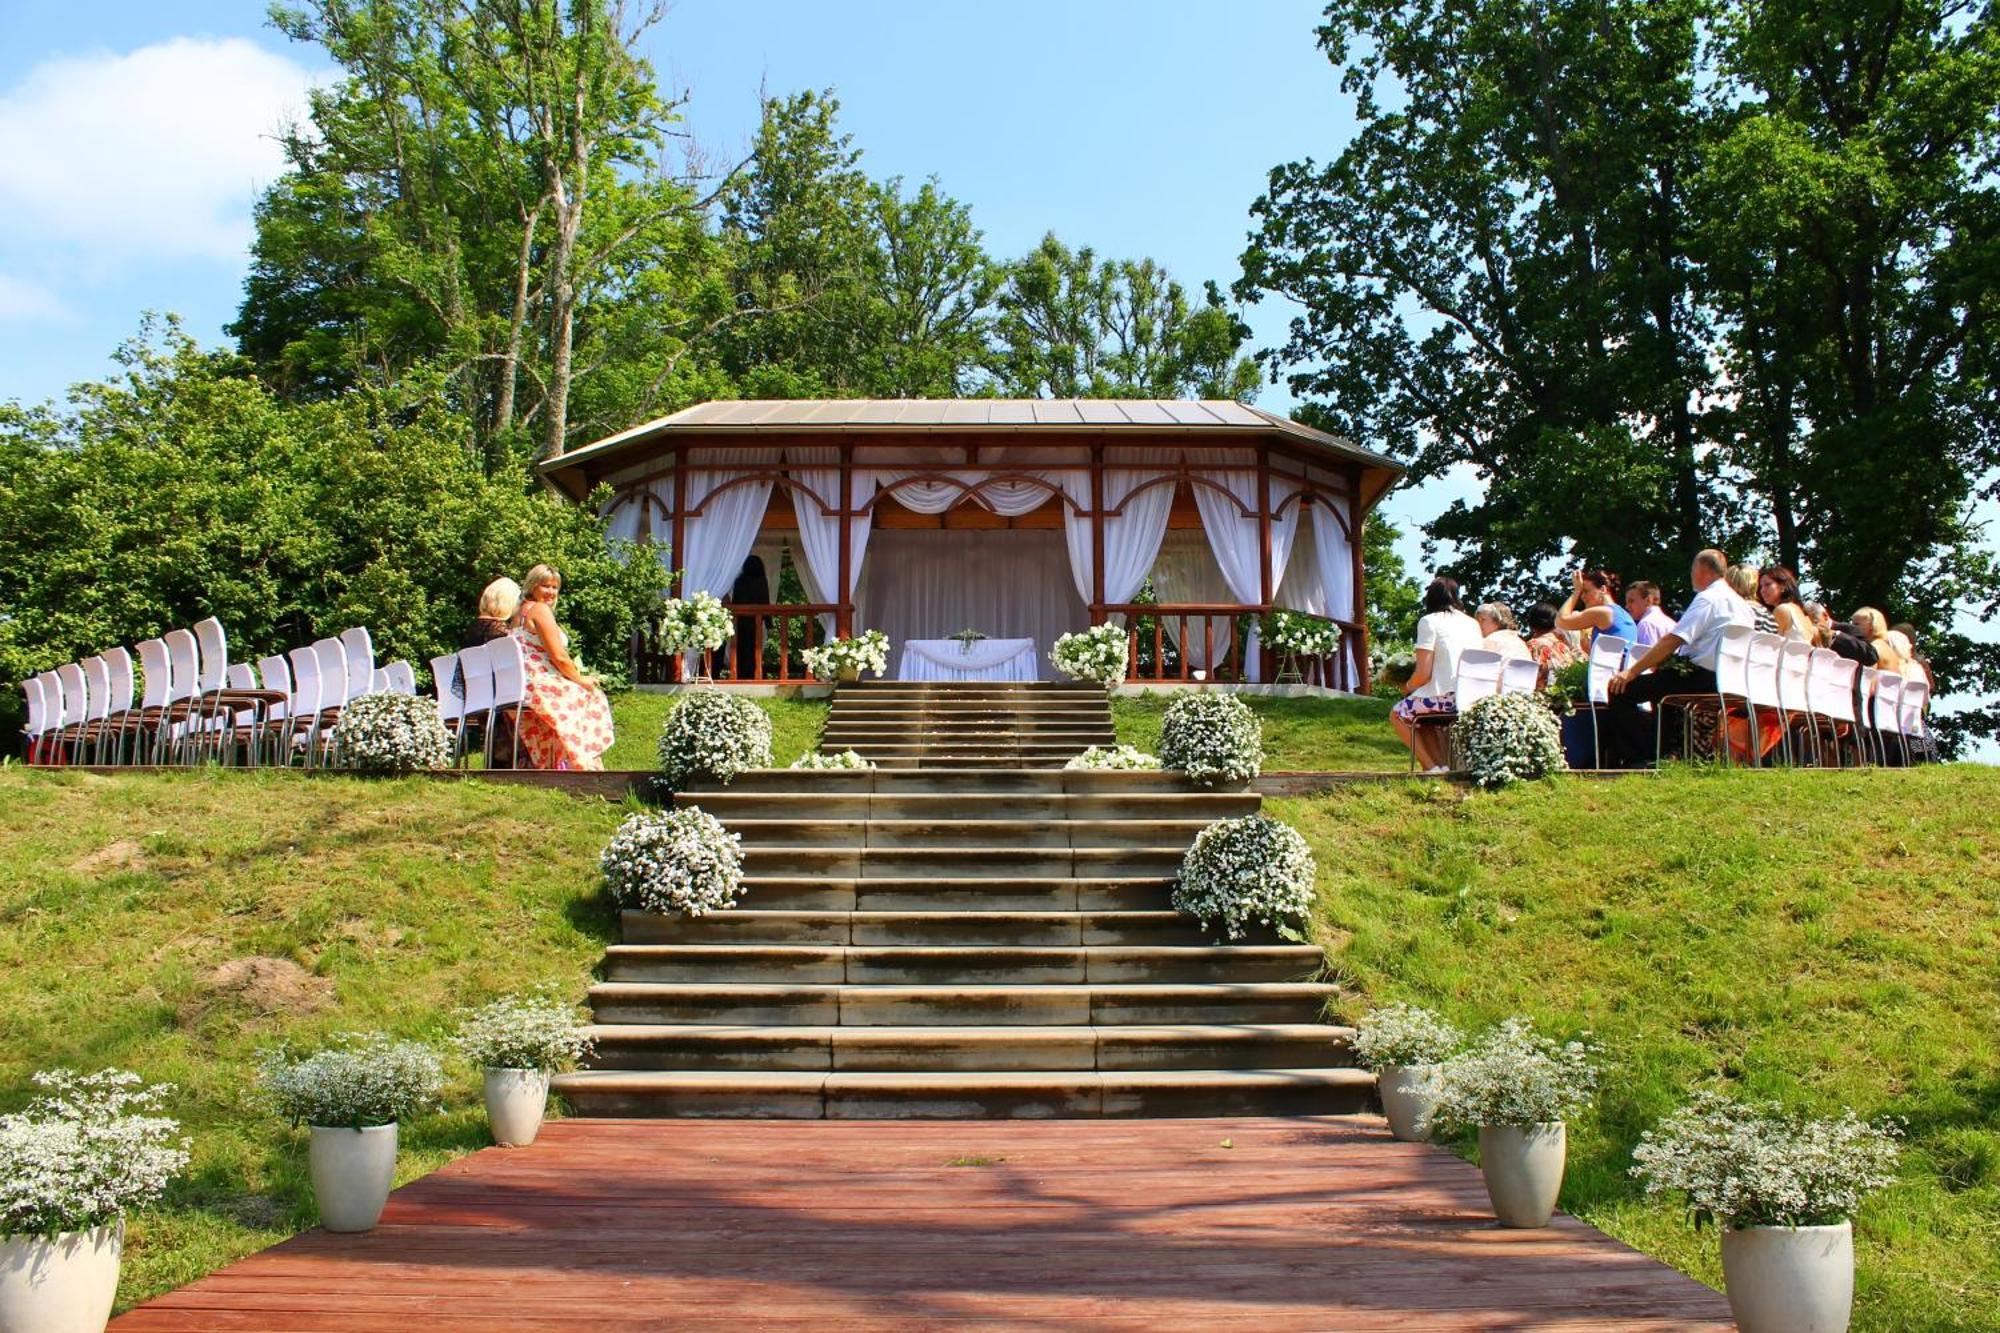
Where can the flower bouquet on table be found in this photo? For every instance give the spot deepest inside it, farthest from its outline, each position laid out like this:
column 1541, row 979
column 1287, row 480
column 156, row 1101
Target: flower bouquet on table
column 1097, row 654
column 1785, row 1189
column 846, row 659
column 695, row 624
column 84, row 1152
column 966, row 638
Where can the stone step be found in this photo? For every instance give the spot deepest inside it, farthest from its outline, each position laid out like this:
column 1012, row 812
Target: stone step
column 1060, row 714
column 673, row 1046
column 835, row 737
column 971, row 753
column 963, row 862
column 971, row 781
column 1008, row 834
column 864, row 1094
column 959, row 893
column 1021, row 930
column 971, row 806
column 977, row 965
column 841, row 1004
column 966, row 689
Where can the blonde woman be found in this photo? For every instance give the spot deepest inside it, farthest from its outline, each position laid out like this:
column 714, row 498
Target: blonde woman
column 565, row 718
column 1873, row 626
column 499, row 601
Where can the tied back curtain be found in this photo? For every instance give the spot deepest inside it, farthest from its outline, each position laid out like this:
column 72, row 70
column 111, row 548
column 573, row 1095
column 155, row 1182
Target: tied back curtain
column 719, row 538
column 1131, row 537
column 1009, row 495
column 1333, row 553
column 816, row 474
column 1229, row 515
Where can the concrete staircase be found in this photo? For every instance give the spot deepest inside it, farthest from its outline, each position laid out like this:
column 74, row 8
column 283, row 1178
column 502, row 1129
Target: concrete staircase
column 965, row 931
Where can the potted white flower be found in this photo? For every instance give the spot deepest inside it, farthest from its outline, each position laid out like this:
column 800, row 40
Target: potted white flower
column 1785, row 1189
column 674, row 862
column 693, row 624
column 1518, row 1089
column 831, row 759
column 1510, row 738
column 1212, row 737
column 1406, row 1045
column 713, row 734
column 352, row 1095
column 1098, row 654
column 846, row 659
column 1251, row 869
column 517, row 1042
column 1115, row 759
column 81, row 1154
column 393, row 733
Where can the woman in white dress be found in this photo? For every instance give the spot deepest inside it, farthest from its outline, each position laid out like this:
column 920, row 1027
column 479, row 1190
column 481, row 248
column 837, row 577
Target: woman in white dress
column 1443, row 634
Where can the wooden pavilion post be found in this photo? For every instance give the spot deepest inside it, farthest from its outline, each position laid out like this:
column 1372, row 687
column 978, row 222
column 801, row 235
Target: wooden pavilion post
column 843, row 618
column 1266, row 593
column 1357, row 518
column 1097, row 534
column 678, row 553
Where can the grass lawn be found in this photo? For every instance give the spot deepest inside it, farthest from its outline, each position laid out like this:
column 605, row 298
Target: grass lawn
column 1304, row 734
column 131, row 903
column 1825, row 939
column 636, row 717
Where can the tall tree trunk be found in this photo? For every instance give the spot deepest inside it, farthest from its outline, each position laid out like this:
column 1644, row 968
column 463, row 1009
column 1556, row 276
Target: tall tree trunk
column 517, row 323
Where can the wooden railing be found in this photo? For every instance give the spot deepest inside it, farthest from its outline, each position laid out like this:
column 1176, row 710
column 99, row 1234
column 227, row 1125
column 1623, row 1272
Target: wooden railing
column 766, row 649
column 1165, row 642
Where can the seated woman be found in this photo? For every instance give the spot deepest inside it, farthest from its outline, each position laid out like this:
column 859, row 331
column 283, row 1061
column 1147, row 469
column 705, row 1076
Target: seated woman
column 1546, row 644
column 1778, row 593
column 1742, row 580
column 1873, row 627
column 498, row 602
column 565, row 718
column 1596, row 604
column 1443, row 634
column 1496, row 622
column 1915, row 665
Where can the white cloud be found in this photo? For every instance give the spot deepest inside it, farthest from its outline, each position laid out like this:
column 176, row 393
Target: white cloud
column 157, row 154
column 22, row 299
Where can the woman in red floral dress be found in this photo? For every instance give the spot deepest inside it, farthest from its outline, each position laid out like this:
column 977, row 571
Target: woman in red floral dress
column 565, row 718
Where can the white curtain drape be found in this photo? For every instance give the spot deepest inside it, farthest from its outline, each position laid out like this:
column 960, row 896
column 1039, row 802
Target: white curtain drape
column 1300, row 589
column 818, row 470
column 1005, row 584
column 1334, row 555
column 720, row 537
column 1131, row 538
column 1235, row 537
column 1185, row 572
column 1010, row 497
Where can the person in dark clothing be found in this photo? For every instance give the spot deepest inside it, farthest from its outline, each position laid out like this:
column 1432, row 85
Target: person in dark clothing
column 498, row 604
column 1696, row 636
column 752, row 588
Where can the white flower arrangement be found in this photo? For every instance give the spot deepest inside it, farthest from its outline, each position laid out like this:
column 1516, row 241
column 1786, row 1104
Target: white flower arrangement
column 713, row 734
column 1514, row 1076
column 1510, row 738
column 84, row 1152
column 1248, row 869
column 1301, row 634
column 695, row 623
column 1115, row 759
column 537, row 1032
column 392, row 733
column 1212, row 737
column 1403, row 1035
column 869, row 652
column 356, row 1081
column 1097, row 653
column 1753, row 1165
column 674, row 861
column 824, row 759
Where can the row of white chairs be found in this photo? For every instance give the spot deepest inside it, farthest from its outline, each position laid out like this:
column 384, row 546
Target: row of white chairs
column 476, row 687
column 195, row 704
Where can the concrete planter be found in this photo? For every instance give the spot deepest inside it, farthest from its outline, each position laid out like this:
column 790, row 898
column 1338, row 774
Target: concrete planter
column 65, row 1285
column 516, row 1100
column 1409, row 1095
column 1790, row 1279
column 1523, row 1166
column 352, row 1170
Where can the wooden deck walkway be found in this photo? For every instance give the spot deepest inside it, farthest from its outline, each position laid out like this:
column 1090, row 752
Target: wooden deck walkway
column 1298, row 1224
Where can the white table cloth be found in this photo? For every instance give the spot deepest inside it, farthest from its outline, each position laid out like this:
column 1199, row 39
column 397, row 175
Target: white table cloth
column 983, row 659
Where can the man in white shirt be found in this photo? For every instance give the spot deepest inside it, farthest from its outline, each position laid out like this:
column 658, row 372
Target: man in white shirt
column 1642, row 603
column 1697, row 636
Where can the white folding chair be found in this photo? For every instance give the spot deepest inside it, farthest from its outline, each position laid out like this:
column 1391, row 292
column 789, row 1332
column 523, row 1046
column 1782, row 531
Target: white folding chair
column 1479, row 671
column 1795, row 661
column 1608, row 656
column 75, row 705
column 184, row 664
column 360, row 650
column 302, row 719
column 36, row 722
column 334, row 694
column 276, row 673
column 475, row 667
column 378, row 681
column 1830, row 686
column 97, row 707
column 1760, row 685
column 1520, row 675
column 450, row 691
column 1911, row 722
column 510, row 683
column 52, row 715
column 156, row 671
column 400, row 677
column 120, row 720
column 1886, row 716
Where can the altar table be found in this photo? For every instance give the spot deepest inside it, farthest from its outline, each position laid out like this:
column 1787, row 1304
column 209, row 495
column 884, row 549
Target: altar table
column 982, row 659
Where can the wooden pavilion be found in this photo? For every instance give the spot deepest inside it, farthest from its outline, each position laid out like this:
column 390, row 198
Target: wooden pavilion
column 928, row 517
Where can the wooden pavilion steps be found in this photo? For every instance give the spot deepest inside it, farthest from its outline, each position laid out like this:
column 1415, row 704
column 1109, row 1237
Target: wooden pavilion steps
column 905, row 725
column 976, row 937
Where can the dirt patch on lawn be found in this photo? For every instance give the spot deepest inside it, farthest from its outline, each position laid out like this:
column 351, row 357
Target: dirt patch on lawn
column 273, row 985
column 122, row 855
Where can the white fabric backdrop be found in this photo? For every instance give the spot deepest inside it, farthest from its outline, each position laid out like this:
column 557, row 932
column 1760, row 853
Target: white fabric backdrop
column 1236, row 539
column 1335, row 559
column 1007, row 585
column 719, row 538
column 1186, row 572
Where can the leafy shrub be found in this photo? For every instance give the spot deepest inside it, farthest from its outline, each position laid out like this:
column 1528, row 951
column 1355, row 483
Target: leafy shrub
column 1510, row 738
column 84, row 1152
column 1211, row 736
column 1752, row 1165
column 870, row 652
column 1115, row 758
column 1514, row 1076
column 822, row 759
column 1244, row 870
column 672, row 861
column 1097, row 654
column 393, row 733
column 696, row 623
column 523, row 1032
column 355, row 1082
column 1405, row 1034
column 713, row 734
